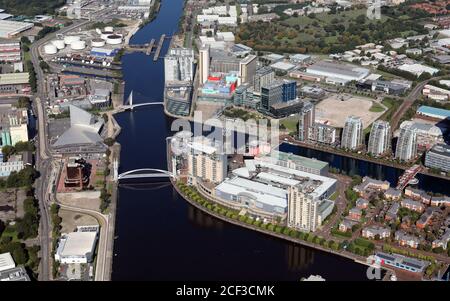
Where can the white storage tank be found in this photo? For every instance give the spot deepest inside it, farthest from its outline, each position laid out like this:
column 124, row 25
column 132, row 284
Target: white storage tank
column 70, row 39
column 50, row 49
column 108, row 29
column 114, row 39
column 78, row 45
column 59, row 44
column 97, row 43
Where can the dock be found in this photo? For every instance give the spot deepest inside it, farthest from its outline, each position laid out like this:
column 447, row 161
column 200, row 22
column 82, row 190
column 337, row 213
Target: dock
column 150, row 46
column 158, row 50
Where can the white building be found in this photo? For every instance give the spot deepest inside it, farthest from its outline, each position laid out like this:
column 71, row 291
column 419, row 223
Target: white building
column 305, row 211
column 380, row 138
column 352, row 134
column 418, row 69
column 203, row 62
column 338, row 72
column 12, row 165
column 179, row 65
column 6, row 262
column 407, row 144
column 8, row 29
column 77, row 247
column 263, row 187
column 206, row 161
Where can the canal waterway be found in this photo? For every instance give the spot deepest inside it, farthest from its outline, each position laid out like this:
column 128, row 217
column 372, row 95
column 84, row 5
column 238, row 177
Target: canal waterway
column 159, row 236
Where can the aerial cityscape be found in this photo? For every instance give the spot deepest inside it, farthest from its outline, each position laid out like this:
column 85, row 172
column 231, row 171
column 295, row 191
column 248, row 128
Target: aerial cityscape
column 225, row 140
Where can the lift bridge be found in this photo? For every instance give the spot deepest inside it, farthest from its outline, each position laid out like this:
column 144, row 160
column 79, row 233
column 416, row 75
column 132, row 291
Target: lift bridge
column 129, row 105
column 141, row 173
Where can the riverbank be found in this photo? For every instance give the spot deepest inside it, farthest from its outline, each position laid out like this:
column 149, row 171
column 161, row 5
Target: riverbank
column 347, row 255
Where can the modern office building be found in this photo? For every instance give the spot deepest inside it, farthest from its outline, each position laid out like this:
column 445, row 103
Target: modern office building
column 179, row 65
column 306, row 121
column 380, row 138
column 271, row 94
column 223, row 62
column 247, row 69
column 204, row 59
column 206, row 161
column 289, row 90
column 438, row 157
column 277, row 92
column 178, row 98
column 262, row 186
column 352, row 137
column 77, row 247
column 263, row 77
column 305, row 211
column 406, row 144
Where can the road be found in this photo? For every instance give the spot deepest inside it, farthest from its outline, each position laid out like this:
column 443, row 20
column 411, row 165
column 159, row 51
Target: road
column 408, row 102
column 43, row 157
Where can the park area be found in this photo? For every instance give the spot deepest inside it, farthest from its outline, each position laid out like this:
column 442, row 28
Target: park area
column 328, row 32
column 336, row 108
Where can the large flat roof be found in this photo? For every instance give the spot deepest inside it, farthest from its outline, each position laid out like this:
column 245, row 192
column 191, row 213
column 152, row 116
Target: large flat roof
column 338, row 69
column 434, row 111
column 264, row 193
column 6, row 262
column 9, row 28
column 78, row 243
column 14, row 78
column 304, row 161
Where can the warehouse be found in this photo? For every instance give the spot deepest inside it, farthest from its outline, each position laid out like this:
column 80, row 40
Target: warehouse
column 10, row 51
column 14, row 83
column 77, row 247
column 433, row 112
column 337, row 72
column 8, row 29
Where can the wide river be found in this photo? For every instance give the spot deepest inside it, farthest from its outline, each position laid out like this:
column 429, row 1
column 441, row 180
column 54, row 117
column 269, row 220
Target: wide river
column 159, row 236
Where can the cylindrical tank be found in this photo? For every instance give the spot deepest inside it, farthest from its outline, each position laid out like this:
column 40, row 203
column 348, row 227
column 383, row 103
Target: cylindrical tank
column 108, row 29
column 97, row 43
column 70, row 39
column 59, row 44
column 114, row 39
column 50, row 49
column 78, row 45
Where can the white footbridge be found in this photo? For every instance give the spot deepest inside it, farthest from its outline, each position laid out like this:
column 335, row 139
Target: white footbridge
column 141, row 173
column 129, row 105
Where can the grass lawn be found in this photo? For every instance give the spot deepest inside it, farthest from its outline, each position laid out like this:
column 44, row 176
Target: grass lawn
column 10, row 231
column 376, row 107
column 290, row 123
